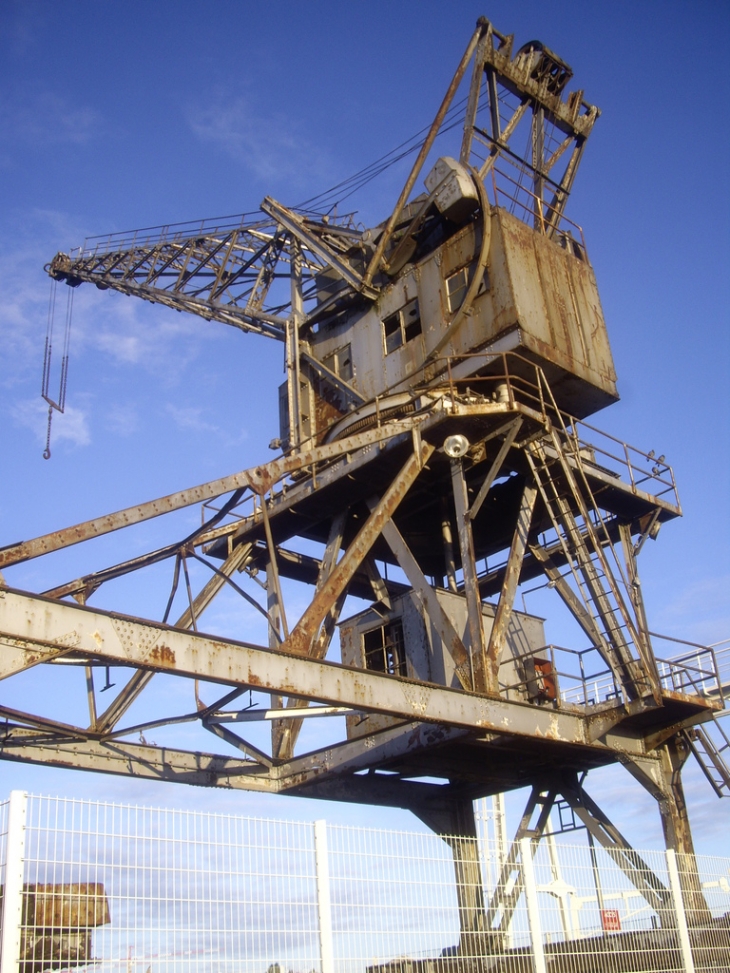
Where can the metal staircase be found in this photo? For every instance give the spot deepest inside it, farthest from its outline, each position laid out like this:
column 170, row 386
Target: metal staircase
column 596, row 595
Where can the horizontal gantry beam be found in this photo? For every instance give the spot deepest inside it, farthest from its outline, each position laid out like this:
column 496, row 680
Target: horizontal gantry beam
column 31, row 625
column 133, row 759
column 212, row 770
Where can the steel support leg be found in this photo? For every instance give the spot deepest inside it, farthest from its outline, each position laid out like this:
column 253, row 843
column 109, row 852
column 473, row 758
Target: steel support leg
column 456, row 825
column 677, row 833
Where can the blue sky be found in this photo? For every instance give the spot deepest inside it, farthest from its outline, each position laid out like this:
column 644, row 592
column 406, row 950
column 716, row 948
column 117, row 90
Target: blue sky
column 123, row 115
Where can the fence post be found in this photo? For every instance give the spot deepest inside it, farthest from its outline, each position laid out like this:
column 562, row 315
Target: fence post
column 13, row 892
column 324, row 906
column 533, row 909
column 678, row 902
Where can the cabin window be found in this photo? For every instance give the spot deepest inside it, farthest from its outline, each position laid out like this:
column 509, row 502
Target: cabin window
column 401, row 327
column 384, row 649
column 340, row 362
column 458, row 284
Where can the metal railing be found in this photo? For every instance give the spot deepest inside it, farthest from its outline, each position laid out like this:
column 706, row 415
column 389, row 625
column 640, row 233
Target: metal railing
column 149, row 236
column 215, row 226
column 580, row 677
column 515, row 380
column 694, row 674
column 605, row 453
column 512, row 381
column 529, row 208
column 577, row 677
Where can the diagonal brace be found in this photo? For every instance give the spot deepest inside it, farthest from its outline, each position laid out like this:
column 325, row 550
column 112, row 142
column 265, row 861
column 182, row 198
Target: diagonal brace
column 306, row 630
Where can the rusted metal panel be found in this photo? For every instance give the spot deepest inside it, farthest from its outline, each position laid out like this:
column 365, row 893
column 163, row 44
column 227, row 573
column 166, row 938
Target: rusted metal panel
column 557, row 306
column 532, row 284
column 56, row 924
column 74, row 905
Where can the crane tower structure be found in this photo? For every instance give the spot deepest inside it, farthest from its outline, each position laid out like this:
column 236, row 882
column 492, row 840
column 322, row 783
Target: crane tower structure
column 439, row 369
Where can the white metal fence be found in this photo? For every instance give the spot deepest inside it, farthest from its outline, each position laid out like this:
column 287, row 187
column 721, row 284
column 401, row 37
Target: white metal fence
column 125, row 889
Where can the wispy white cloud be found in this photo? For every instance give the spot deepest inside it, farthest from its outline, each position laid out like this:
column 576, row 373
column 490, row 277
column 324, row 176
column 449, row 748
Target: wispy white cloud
column 157, row 340
column 193, row 419
column 270, row 147
column 127, row 331
column 700, row 609
column 122, row 419
column 22, row 24
column 189, row 418
column 71, row 425
column 129, row 356
column 46, row 118
column 24, row 307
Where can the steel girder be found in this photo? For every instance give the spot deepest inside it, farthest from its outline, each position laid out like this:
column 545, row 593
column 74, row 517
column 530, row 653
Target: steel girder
column 292, row 669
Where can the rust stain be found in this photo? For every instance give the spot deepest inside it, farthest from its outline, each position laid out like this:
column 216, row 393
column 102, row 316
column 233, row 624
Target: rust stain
column 162, row 655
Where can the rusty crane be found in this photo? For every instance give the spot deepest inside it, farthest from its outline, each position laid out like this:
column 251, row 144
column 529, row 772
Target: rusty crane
column 439, row 369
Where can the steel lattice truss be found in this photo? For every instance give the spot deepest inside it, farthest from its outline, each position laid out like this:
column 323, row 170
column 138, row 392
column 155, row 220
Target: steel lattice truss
column 222, row 272
column 585, row 551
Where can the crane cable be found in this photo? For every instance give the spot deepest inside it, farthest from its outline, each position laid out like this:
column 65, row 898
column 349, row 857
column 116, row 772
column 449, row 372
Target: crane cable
column 347, row 187
column 58, row 404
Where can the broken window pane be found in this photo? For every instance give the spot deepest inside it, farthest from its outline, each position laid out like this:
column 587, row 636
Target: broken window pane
column 402, row 326
column 384, row 650
column 456, row 288
column 392, row 332
column 458, row 284
column 411, row 320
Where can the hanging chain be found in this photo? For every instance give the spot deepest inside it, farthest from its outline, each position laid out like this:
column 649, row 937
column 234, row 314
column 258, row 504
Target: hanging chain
column 47, row 450
column 59, row 404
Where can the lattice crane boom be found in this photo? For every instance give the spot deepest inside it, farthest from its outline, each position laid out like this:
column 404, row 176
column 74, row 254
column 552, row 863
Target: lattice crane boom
column 220, row 271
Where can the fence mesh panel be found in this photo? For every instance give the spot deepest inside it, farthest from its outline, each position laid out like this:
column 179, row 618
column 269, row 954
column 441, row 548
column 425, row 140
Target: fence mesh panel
column 170, row 890
column 608, row 912
column 706, row 887
column 124, row 889
column 3, row 849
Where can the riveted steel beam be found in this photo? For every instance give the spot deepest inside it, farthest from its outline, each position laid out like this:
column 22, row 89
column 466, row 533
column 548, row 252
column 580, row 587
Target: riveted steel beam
column 509, row 585
column 393, row 743
column 471, row 582
column 427, row 596
column 133, row 760
column 284, row 736
column 259, row 479
column 103, row 635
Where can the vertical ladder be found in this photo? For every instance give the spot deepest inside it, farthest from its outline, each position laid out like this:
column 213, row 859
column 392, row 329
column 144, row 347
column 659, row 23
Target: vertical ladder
column 711, row 746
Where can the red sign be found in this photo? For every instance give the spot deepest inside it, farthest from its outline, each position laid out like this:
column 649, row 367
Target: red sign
column 610, row 920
